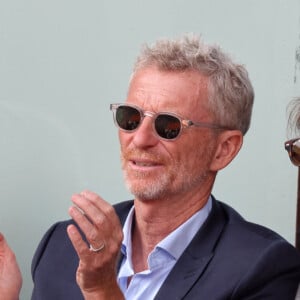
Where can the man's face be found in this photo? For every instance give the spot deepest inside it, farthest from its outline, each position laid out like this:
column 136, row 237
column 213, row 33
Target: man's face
column 156, row 168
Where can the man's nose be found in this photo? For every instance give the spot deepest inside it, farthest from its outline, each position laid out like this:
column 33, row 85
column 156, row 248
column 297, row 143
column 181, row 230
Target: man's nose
column 145, row 136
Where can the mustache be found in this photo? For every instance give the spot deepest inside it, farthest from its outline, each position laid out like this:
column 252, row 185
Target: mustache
column 136, row 153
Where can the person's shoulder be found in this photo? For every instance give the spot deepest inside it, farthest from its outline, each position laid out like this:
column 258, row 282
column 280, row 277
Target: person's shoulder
column 254, row 248
column 54, row 237
column 235, row 219
column 247, row 234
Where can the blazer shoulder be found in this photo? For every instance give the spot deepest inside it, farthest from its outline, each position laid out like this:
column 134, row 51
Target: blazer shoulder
column 59, row 229
column 237, row 223
column 122, row 209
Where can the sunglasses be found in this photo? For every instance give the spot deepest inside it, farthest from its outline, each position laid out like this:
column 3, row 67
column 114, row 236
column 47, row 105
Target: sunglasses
column 167, row 126
column 293, row 149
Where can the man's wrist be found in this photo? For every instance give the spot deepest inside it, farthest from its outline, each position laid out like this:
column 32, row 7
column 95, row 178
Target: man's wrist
column 111, row 293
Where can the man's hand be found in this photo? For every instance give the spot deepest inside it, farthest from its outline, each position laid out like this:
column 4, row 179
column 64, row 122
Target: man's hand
column 10, row 275
column 96, row 273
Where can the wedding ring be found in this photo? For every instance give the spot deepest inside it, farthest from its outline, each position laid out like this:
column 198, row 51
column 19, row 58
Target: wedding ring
column 97, row 249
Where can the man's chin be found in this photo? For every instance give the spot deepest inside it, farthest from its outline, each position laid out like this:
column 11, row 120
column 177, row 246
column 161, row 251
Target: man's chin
column 144, row 192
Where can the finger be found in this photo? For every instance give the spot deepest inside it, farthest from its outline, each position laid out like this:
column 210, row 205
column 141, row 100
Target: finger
column 98, row 223
column 92, row 212
column 102, row 206
column 4, row 248
column 90, row 231
column 102, row 216
column 3, row 242
column 77, row 241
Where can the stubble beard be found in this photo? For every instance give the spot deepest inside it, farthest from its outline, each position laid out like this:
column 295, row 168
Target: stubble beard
column 179, row 179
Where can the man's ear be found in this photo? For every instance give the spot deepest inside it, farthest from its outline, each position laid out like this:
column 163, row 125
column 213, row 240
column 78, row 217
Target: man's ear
column 229, row 144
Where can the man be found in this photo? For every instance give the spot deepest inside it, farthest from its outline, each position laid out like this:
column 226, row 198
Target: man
column 187, row 109
column 293, row 149
column 10, row 275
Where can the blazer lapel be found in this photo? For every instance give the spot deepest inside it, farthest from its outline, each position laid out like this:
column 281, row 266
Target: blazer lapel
column 122, row 209
column 192, row 263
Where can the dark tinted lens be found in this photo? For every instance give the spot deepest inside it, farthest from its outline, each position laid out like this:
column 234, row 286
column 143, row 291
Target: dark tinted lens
column 167, row 126
column 295, row 153
column 128, row 118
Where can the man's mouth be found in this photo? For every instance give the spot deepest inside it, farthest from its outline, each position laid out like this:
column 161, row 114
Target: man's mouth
column 144, row 163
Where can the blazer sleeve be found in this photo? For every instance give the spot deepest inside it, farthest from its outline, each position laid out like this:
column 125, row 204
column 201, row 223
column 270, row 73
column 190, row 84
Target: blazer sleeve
column 41, row 248
column 54, row 266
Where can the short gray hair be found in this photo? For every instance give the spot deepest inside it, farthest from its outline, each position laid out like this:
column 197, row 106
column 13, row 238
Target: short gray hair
column 293, row 109
column 231, row 93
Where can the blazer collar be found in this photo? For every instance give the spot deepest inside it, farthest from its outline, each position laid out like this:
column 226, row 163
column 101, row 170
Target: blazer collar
column 192, row 263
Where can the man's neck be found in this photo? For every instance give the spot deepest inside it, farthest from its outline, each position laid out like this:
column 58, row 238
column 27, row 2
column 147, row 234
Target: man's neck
column 155, row 219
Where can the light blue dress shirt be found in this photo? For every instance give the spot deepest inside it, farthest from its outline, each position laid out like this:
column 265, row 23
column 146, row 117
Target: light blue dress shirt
column 145, row 285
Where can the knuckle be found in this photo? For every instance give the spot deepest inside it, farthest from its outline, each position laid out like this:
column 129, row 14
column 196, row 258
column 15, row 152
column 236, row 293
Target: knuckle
column 109, row 211
column 98, row 221
column 92, row 236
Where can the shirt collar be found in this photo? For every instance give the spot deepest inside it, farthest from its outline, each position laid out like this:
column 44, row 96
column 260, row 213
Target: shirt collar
column 184, row 233
column 176, row 242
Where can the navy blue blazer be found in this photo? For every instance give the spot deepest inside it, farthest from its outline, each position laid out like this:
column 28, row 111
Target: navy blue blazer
column 229, row 258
